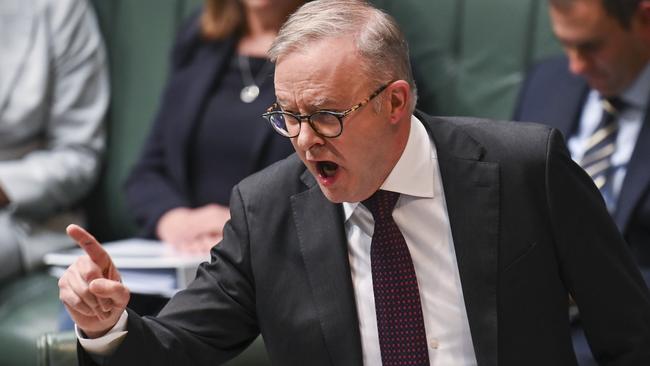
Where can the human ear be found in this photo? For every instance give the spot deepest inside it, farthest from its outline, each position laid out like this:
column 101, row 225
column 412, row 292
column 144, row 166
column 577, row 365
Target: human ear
column 399, row 96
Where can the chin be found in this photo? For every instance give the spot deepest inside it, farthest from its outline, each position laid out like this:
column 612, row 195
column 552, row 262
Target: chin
column 331, row 196
column 604, row 88
column 335, row 196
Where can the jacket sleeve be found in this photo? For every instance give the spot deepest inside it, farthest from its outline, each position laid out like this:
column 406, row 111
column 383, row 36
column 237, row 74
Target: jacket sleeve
column 597, row 265
column 208, row 323
column 59, row 173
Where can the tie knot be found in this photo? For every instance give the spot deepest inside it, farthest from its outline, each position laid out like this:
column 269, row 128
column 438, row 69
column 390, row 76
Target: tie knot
column 381, row 204
column 613, row 105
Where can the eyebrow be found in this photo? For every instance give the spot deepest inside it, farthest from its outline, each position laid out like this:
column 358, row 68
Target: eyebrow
column 321, row 101
column 317, row 104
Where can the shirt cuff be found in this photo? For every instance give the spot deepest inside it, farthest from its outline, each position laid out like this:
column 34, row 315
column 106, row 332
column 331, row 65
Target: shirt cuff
column 108, row 343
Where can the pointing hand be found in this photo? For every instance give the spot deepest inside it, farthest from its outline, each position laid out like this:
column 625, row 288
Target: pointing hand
column 91, row 289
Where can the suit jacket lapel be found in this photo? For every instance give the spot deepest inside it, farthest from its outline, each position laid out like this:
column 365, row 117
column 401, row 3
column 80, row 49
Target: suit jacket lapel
column 471, row 188
column 637, row 177
column 194, row 83
column 324, row 249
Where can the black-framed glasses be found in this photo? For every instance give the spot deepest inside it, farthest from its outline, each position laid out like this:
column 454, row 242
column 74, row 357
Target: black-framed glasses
column 325, row 123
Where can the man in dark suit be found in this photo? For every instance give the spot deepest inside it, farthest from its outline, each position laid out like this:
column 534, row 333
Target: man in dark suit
column 390, row 237
column 607, row 45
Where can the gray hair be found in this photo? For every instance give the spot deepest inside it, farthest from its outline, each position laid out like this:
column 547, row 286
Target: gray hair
column 378, row 39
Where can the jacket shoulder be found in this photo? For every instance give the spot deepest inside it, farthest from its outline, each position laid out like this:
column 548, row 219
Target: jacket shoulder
column 502, row 141
column 549, row 93
column 188, row 40
column 499, row 132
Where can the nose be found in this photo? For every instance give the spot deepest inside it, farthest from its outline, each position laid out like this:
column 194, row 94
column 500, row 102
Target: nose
column 307, row 138
column 578, row 62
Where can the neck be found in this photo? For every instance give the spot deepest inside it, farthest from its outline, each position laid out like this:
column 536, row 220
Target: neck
column 400, row 137
column 262, row 25
column 261, row 22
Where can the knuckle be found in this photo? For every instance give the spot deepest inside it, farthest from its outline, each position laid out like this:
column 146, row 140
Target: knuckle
column 75, row 302
column 90, row 273
column 87, row 276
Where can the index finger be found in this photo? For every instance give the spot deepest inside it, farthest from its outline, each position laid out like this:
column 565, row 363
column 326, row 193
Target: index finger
column 90, row 245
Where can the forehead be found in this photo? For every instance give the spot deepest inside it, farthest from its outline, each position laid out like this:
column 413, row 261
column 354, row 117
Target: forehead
column 325, row 71
column 582, row 19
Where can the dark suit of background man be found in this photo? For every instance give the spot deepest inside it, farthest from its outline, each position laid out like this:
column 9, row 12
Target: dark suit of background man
column 607, row 46
column 487, row 237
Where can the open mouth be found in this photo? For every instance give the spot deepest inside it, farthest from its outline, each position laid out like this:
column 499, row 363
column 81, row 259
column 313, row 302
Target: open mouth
column 327, row 169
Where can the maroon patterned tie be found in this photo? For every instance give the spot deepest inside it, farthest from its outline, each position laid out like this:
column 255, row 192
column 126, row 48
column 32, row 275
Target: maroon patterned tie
column 402, row 338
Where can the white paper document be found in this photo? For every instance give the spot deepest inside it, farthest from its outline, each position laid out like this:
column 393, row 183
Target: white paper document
column 146, row 266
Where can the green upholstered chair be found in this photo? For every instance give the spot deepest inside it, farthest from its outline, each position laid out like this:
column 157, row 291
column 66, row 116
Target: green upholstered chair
column 29, row 307
column 59, row 349
column 469, row 57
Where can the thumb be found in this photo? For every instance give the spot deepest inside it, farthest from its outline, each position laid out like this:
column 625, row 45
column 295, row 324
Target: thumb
column 109, row 289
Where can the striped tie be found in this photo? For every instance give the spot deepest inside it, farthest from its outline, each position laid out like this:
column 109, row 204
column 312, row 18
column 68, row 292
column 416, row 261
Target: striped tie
column 601, row 145
column 402, row 337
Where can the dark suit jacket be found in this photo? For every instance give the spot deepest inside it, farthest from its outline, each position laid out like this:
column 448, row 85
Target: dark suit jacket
column 159, row 179
column 553, row 96
column 522, row 215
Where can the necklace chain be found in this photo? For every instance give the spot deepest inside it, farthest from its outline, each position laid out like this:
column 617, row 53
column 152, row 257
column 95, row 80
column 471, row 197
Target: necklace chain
column 251, row 89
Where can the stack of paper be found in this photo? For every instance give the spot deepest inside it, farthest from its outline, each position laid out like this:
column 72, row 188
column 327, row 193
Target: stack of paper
column 146, row 266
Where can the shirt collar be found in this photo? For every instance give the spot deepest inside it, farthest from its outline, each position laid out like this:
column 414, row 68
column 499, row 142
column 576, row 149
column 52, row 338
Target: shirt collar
column 413, row 173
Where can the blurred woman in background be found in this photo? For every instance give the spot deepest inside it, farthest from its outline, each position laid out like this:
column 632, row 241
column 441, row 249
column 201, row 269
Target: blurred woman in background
column 208, row 134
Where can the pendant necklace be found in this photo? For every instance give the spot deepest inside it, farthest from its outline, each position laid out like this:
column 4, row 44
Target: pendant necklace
column 251, row 89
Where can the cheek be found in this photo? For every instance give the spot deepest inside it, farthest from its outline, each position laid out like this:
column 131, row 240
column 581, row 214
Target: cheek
column 614, row 58
column 294, row 143
column 301, row 154
column 360, row 157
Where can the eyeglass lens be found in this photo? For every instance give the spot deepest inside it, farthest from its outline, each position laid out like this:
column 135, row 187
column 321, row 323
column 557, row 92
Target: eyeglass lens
column 325, row 123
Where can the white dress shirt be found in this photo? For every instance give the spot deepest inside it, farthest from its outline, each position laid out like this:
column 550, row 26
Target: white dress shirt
column 105, row 345
column 630, row 121
column 421, row 215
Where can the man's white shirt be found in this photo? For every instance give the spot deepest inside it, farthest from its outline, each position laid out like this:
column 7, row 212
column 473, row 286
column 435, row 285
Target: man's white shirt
column 421, row 215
